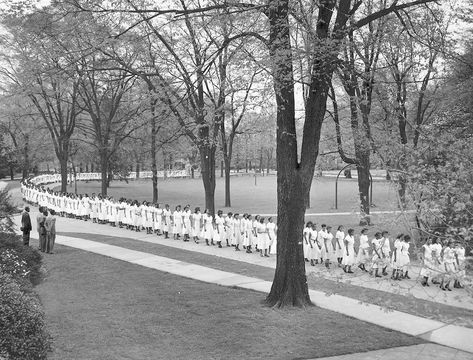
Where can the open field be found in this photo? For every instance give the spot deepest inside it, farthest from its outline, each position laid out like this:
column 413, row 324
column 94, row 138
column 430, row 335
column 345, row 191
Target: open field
column 101, row 308
column 262, row 197
column 248, row 197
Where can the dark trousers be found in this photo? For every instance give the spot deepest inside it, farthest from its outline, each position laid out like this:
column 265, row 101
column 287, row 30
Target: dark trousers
column 42, row 243
column 26, row 238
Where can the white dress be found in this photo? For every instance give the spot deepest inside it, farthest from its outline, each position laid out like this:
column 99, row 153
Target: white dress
column 166, row 220
column 363, row 250
column 158, row 219
column 207, row 227
column 349, row 255
column 306, row 242
column 427, row 261
column 327, row 247
column 177, row 222
column 339, row 244
column 186, row 222
column 263, row 238
column 196, row 225
column 220, row 227
column 404, row 259
column 237, row 230
column 272, row 236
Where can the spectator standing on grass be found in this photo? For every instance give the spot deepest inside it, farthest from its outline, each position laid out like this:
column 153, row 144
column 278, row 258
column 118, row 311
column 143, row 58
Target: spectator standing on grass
column 40, row 217
column 26, row 225
column 50, row 225
column 42, row 231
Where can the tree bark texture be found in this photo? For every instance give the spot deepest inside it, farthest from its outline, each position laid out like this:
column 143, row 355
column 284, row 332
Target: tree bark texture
column 290, row 281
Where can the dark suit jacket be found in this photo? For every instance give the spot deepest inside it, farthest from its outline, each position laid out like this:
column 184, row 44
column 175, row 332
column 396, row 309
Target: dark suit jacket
column 25, row 222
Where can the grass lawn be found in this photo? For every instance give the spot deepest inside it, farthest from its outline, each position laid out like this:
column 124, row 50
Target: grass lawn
column 246, row 197
column 262, row 198
column 101, row 308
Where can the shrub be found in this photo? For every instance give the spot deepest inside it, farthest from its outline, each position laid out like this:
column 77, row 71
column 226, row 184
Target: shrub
column 22, row 331
column 7, row 210
column 12, row 244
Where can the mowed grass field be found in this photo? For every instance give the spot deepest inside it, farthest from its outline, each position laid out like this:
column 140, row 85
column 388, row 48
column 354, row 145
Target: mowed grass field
column 246, row 197
column 102, row 308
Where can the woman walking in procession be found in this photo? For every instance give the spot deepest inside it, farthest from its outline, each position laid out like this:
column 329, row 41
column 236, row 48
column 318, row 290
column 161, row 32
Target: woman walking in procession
column 349, row 255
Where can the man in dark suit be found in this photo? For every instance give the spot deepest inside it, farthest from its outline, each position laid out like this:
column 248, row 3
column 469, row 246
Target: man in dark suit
column 26, row 226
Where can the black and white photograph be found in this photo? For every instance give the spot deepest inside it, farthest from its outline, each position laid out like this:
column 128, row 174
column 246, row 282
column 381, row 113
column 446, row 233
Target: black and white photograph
column 236, row 179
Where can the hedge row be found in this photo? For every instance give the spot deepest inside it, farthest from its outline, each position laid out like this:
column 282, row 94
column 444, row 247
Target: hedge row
column 22, row 329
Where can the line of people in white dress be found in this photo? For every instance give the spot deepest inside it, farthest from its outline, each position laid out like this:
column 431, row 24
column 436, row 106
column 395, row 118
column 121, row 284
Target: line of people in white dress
column 232, row 230
column 442, row 264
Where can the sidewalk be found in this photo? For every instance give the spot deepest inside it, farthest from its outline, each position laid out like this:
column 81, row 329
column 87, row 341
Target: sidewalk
column 436, row 331
column 459, row 298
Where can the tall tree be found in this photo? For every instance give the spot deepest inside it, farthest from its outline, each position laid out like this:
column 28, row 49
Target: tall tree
column 34, row 62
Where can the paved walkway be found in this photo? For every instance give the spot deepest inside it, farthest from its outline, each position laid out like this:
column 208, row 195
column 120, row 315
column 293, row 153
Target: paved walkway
column 457, row 298
column 417, row 352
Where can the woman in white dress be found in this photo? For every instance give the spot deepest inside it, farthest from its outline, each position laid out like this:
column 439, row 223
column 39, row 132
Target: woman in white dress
column 327, row 248
column 249, row 233
column 158, row 219
column 137, row 219
column 263, row 238
column 377, row 257
column 230, row 230
column 167, row 225
column 437, row 263
column 237, row 231
column 363, row 256
column 94, row 208
column 460, row 259
column 219, row 228
column 177, row 222
column 395, row 258
column 186, row 223
column 405, row 260
column 306, row 244
column 339, row 244
column 208, row 227
column 349, row 256
column 254, row 226
column 121, row 211
column 426, row 257
column 272, row 228
column 147, row 217
column 196, row 225
column 450, row 266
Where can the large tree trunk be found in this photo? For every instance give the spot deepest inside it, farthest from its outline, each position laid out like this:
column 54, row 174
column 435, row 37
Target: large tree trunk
column 104, row 172
column 290, row 281
column 63, row 164
column 363, row 170
column 227, row 161
column 26, row 160
column 207, row 165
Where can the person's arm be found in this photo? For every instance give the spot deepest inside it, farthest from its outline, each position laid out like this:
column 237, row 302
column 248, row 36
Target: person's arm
column 346, row 246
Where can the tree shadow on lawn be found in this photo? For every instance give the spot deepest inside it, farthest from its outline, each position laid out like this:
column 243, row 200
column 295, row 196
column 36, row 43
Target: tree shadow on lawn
column 102, row 308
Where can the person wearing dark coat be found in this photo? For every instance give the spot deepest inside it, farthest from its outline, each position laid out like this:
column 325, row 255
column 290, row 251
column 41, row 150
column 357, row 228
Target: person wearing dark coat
column 26, row 226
